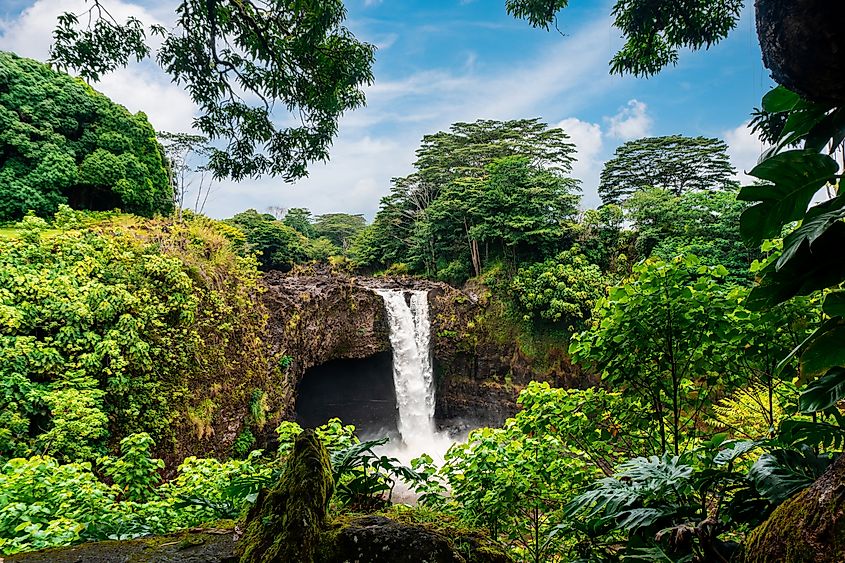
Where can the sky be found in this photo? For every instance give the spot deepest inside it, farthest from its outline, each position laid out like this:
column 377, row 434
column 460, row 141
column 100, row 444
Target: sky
column 443, row 61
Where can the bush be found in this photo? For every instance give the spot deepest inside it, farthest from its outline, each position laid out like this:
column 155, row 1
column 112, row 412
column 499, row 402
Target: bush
column 104, row 326
column 562, row 290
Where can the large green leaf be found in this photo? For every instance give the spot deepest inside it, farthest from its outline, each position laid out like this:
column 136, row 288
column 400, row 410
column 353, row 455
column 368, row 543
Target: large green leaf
column 795, row 177
column 813, row 434
column 808, row 270
column 817, row 220
column 834, row 304
column 782, row 473
column 824, row 392
column 780, row 99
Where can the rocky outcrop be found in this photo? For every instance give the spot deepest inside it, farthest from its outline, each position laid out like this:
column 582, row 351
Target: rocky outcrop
column 481, row 357
column 807, row 528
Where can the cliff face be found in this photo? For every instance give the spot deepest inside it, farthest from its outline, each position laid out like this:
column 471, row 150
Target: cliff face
column 480, row 363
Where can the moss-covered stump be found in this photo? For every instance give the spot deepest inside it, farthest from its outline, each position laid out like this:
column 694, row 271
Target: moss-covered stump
column 192, row 546
column 378, row 539
column 286, row 521
column 809, row 527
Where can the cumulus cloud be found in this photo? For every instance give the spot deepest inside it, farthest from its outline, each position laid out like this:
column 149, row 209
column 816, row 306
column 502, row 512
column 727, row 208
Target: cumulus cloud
column 744, row 148
column 141, row 87
column 631, row 122
column 587, row 138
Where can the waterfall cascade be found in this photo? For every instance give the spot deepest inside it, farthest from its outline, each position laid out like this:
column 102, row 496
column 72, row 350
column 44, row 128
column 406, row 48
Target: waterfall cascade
column 413, row 377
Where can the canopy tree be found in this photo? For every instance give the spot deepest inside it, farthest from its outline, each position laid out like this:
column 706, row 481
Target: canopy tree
column 270, row 77
column 63, row 143
column 339, row 228
column 514, row 211
column 705, row 223
column 676, row 163
column 462, row 152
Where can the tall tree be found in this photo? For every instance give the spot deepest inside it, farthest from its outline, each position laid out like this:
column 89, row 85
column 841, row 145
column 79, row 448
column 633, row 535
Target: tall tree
column 187, row 156
column 464, row 151
column 676, row 163
column 241, row 62
column 339, row 228
column 62, row 142
column 300, row 220
column 515, row 210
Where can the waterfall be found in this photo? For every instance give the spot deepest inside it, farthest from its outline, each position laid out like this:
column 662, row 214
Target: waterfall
column 410, row 338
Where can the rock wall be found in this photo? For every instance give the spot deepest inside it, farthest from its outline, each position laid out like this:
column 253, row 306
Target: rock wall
column 481, row 360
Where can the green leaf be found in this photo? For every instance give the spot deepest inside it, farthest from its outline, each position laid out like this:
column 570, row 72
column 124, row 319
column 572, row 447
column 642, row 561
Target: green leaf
column 834, row 304
column 824, row 392
column 817, row 221
column 825, row 350
column 807, row 271
column 795, row 177
column 812, row 434
column 782, row 473
column 780, row 99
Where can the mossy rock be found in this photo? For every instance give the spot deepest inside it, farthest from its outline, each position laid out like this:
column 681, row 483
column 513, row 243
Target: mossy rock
column 379, row 539
column 809, row 527
column 286, row 521
column 190, row 546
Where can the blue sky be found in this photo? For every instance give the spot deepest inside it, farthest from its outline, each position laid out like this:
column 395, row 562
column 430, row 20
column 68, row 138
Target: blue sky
column 443, row 61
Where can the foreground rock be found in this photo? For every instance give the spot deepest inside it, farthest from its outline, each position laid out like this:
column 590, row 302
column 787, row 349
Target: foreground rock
column 289, row 524
column 808, row 528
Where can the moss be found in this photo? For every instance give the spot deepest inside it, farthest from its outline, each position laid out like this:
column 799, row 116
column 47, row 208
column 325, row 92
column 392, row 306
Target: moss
column 201, row 417
column 809, row 527
column 286, row 521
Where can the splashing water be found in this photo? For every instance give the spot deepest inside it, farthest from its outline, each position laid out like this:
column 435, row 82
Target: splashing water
column 413, row 377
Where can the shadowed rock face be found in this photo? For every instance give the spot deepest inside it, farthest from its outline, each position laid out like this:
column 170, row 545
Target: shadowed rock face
column 804, row 47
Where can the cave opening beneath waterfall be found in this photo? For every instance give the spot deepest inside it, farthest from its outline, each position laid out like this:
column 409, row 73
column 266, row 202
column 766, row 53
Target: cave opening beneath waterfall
column 357, row 391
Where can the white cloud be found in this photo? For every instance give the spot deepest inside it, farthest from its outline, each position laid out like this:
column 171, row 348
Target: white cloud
column 744, row 148
column 587, row 138
column 140, row 87
column 631, row 122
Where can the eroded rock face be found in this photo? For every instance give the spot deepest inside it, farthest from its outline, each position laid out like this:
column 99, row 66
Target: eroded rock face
column 479, row 367
column 804, row 47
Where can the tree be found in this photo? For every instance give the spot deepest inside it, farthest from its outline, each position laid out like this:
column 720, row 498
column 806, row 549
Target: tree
column 299, row 219
column 560, row 290
column 241, row 62
column 660, row 336
column 514, row 211
column 279, row 246
column 706, row 224
column 676, row 163
column 339, row 228
column 187, row 157
column 63, row 143
column 653, row 31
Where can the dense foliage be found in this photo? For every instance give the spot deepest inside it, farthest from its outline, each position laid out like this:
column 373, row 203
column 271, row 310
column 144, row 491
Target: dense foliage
column 63, row 143
column 106, row 324
column 677, row 164
column 279, row 246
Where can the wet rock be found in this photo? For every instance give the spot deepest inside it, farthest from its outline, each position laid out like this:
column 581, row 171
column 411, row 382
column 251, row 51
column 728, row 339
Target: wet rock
column 378, row 539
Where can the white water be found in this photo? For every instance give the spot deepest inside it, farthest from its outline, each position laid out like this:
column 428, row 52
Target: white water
column 413, row 377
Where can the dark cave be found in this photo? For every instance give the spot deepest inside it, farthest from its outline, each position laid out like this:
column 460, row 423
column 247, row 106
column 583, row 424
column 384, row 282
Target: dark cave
column 358, row 392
